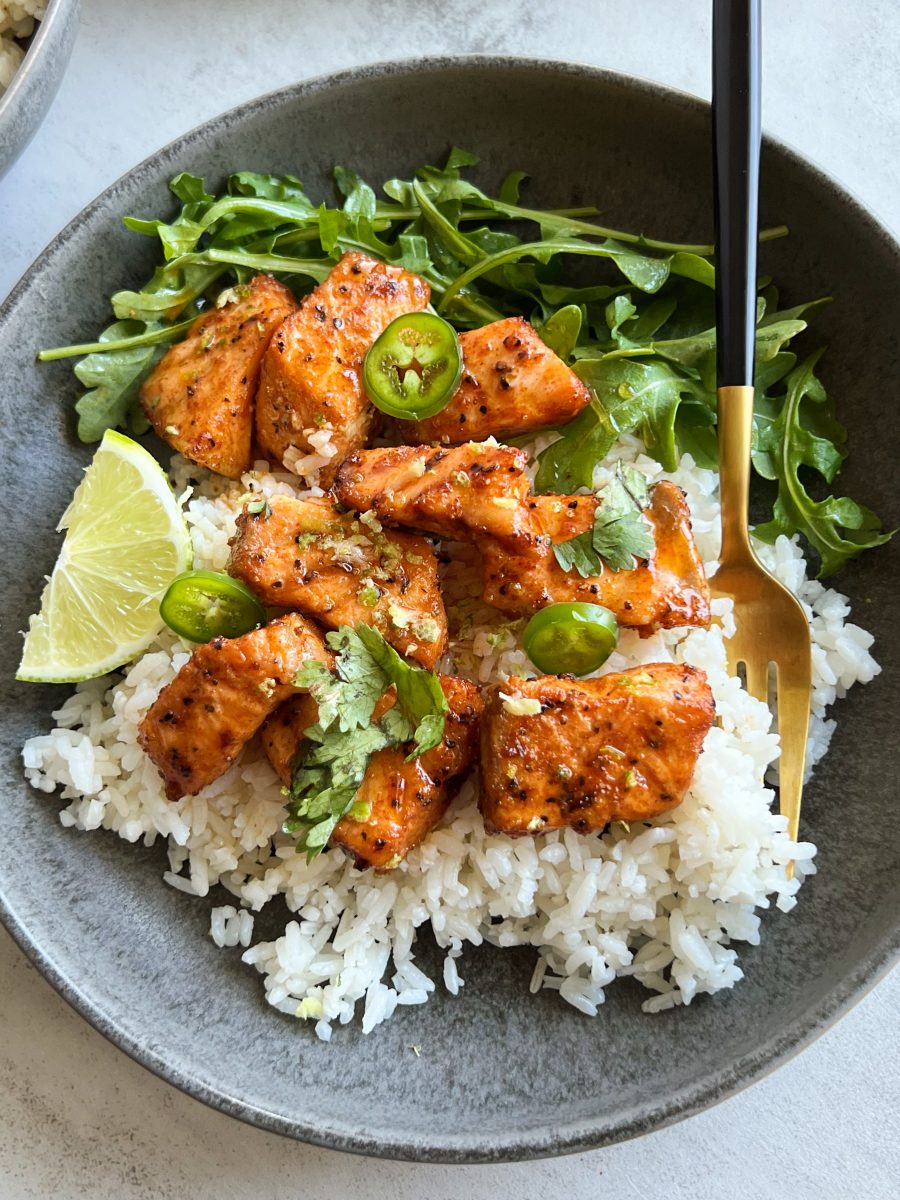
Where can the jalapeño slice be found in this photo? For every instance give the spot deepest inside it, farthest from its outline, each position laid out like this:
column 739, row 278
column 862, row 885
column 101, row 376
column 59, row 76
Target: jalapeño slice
column 201, row 605
column 412, row 370
column 570, row 639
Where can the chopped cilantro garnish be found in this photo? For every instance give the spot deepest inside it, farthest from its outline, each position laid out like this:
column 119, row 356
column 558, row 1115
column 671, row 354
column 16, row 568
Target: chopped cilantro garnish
column 619, row 534
column 325, row 783
column 369, row 594
column 260, row 507
column 336, row 750
column 420, row 696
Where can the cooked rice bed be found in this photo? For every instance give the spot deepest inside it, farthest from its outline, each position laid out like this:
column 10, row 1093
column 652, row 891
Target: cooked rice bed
column 664, row 902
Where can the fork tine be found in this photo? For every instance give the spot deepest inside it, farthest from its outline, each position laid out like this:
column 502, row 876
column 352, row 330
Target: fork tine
column 757, row 674
column 793, row 726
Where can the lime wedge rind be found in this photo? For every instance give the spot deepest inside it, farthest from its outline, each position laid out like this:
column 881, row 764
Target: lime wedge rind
column 94, row 618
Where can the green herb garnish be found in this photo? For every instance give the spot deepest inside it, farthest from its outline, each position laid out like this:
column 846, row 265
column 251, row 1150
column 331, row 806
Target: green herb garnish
column 620, row 533
column 260, row 508
column 336, row 750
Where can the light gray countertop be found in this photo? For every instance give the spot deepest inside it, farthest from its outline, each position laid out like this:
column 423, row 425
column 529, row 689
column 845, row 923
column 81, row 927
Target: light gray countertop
column 79, row 1119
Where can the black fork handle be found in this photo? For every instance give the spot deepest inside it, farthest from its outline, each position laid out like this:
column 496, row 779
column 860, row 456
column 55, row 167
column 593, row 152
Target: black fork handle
column 736, row 138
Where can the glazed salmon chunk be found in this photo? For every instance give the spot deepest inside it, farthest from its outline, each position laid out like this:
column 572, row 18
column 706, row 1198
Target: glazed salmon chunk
column 463, row 492
column 202, row 720
column 561, row 752
column 511, row 383
column 479, row 493
column 668, row 590
column 199, row 397
column 407, row 799
column 311, row 375
column 342, row 569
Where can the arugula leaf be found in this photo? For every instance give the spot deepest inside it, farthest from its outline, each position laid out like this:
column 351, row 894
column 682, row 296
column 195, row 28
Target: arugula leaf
column 414, row 254
column 641, row 396
column 646, row 272
column 619, row 536
column 695, row 351
column 560, row 331
column 461, row 158
column 651, row 318
column 172, row 288
column 568, row 463
column 190, row 189
column 266, row 187
column 695, row 433
column 113, row 380
column 181, row 236
column 457, row 244
column 618, row 311
column 525, row 279
column 510, row 187
column 360, row 208
column 804, row 433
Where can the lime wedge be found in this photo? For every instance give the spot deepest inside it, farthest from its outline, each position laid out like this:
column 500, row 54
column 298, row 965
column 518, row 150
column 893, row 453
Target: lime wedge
column 126, row 541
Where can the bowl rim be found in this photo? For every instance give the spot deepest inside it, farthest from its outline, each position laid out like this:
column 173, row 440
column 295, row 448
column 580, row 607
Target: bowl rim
column 44, row 31
column 574, row 1136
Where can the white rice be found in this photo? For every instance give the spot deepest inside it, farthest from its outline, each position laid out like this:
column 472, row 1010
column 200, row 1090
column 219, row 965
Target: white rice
column 17, row 21
column 666, row 903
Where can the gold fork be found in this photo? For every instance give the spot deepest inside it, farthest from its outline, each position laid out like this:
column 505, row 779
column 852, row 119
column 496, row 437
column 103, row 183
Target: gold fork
column 772, row 627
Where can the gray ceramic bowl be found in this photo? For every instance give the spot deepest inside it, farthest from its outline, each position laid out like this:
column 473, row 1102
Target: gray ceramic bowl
column 502, row 1074
column 25, row 102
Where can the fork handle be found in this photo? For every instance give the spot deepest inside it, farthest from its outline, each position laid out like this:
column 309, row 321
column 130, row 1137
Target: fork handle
column 736, row 142
column 735, row 433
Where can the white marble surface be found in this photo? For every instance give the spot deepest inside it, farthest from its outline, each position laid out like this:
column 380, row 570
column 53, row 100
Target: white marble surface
column 79, row 1119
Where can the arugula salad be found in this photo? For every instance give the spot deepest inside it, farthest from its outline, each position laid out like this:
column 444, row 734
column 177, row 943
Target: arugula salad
column 643, row 340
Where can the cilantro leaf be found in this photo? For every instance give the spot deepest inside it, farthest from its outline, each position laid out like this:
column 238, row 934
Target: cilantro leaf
column 331, row 767
column 419, row 693
column 260, row 508
column 578, row 554
column 619, row 535
column 335, row 754
column 634, row 482
column 621, row 540
column 325, row 688
column 361, row 687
